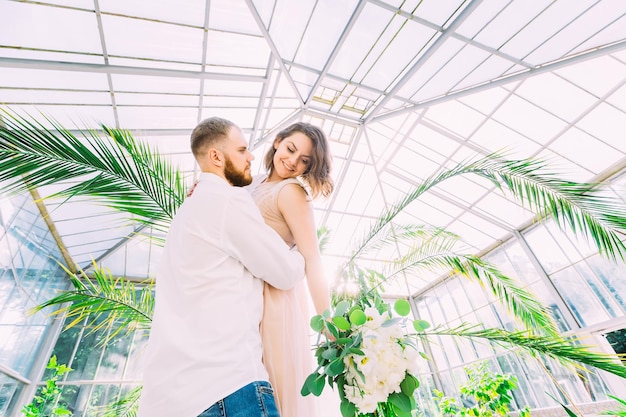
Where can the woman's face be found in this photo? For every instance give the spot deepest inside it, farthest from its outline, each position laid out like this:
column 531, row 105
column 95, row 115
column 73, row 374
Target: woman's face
column 292, row 157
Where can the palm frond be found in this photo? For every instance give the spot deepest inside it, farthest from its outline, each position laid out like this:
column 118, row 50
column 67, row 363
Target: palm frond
column 577, row 206
column 620, row 411
column 323, row 237
column 105, row 302
column 126, row 406
column 114, row 169
column 566, row 351
column 412, row 234
column 435, row 255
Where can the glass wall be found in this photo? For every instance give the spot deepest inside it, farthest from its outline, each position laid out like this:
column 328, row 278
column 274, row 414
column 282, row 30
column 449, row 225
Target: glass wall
column 29, row 275
column 593, row 287
column 103, row 367
column 584, row 291
column 458, row 300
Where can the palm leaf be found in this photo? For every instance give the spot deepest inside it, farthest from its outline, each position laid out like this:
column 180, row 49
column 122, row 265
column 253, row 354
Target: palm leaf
column 566, row 351
column 620, row 411
column 393, row 234
column 581, row 207
column 577, row 206
column 323, row 237
column 114, row 169
column 104, row 302
column 435, row 254
column 569, row 411
column 126, row 406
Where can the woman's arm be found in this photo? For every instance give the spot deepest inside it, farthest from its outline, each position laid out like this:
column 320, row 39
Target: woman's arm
column 297, row 210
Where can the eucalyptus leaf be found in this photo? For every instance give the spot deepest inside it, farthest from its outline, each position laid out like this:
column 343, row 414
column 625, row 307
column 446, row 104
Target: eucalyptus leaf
column 314, row 384
column 400, row 400
column 317, row 323
column 341, row 323
column 356, row 351
column 341, row 308
column 332, row 329
column 391, row 322
column 357, row 317
column 420, row 325
column 402, row 307
column 409, row 384
column 329, row 354
column 306, row 390
column 335, row 367
column 347, row 409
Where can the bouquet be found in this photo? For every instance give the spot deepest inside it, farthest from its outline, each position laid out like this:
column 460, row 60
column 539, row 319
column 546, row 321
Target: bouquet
column 368, row 355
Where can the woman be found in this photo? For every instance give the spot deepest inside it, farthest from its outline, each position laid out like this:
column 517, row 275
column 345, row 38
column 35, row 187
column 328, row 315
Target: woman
column 298, row 166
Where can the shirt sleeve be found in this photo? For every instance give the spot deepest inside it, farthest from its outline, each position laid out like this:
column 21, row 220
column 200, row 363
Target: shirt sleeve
column 259, row 248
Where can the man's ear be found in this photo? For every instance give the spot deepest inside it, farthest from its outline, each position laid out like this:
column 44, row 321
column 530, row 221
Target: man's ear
column 216, row 157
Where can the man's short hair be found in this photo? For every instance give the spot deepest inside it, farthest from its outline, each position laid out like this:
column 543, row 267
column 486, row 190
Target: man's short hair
column 208, row 133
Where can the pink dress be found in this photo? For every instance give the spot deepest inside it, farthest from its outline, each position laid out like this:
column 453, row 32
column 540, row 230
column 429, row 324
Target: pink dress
column 287, row 347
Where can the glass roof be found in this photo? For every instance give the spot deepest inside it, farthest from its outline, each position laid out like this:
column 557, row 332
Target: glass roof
column 402, row 88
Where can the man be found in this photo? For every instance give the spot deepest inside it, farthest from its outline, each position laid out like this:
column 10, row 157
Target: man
column 204, row 352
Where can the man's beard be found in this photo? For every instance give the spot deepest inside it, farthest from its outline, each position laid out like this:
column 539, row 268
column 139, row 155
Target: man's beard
column 236, row 178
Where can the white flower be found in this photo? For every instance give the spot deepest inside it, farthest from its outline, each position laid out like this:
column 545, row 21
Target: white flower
column 367, row 364
column 411, row 357
column 386, row 359
column 365, row 403
column 373, row 318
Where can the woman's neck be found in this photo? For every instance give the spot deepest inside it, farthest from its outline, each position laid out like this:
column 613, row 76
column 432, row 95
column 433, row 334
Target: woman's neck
column 272, row 177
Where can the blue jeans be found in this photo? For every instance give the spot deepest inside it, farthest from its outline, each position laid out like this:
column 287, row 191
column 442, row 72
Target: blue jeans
column 254, row 400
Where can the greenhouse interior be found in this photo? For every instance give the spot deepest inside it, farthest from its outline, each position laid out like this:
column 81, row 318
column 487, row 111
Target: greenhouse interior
column 478, row 161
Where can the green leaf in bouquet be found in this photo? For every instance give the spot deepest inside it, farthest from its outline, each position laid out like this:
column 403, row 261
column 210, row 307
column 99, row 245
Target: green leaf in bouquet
column 409, row 384
column 347, row 409
column 402, row 307
column 335, row 367
column 317, row 323
column 332, row 329
column 391, row 322
column 304, row 391
column 329, row 354
column 404, row 413
column 356, row 351
column 318, row 355
column 314, row 384
column 354, row 307
column 401, row 401
column 341, row 382
column 356, row 340
column 341, row 323
column 343, row 340
column 420, row 325
column 330, row 381
column 357, row 317
column 341, row 308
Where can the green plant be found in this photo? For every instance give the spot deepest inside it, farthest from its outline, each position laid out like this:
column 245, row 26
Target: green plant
column 490, row 393
column 45, row 402
column 621, row 411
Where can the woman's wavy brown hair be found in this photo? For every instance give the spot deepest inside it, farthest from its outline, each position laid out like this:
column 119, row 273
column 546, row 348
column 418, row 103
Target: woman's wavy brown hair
column 317, row 175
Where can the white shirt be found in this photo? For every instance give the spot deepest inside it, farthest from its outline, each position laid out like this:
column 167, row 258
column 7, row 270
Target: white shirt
column 204, row 341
